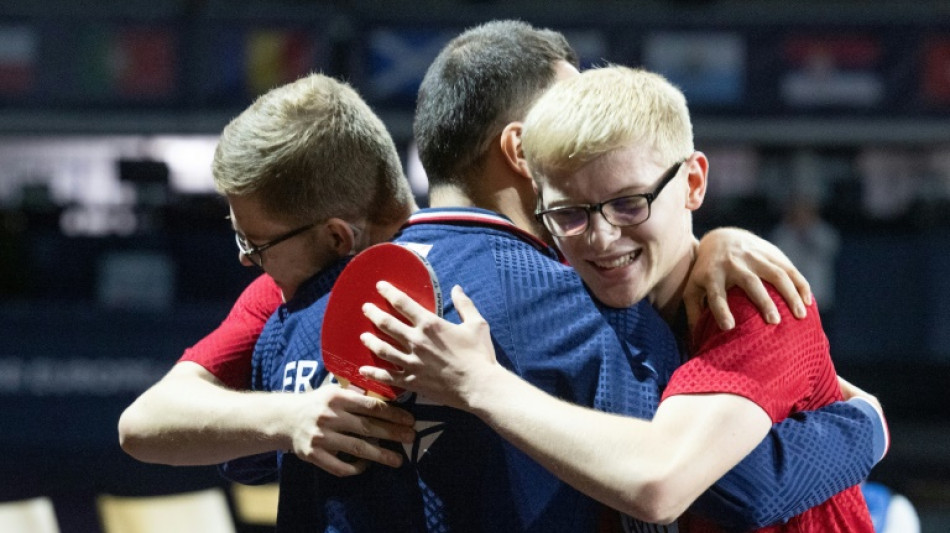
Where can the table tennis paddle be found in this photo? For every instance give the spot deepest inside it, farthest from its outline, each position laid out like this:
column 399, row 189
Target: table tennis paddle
column 344, row 321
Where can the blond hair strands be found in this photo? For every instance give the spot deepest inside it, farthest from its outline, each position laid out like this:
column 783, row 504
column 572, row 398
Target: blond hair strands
column 602, row 110
column 310, row 150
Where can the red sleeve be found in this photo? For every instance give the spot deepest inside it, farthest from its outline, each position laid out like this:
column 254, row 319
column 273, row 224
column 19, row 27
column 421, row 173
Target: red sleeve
column 226, row 352
column 784, row 368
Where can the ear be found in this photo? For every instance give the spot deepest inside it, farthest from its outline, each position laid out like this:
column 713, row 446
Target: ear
column 511, row 148
column 342, row 239
column 698, row 167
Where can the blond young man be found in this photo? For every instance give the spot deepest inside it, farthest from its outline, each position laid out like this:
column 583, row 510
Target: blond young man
column 618, row 178
column 311, row 175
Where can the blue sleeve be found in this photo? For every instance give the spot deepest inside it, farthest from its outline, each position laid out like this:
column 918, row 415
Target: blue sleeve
column 253, row 469
column 803, row 461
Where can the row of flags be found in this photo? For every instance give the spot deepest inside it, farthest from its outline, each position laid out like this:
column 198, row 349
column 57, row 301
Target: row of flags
column 727, row 69
column 146, row 64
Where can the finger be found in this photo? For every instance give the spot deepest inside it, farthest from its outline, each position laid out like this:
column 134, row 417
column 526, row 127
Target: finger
column 385, row 351
column 388, row 324
column 374, row 428
column 386, row 377
column 719, row 307
column 361, row 405
column 402, row 303
column 847, row 389
column 804, row 288
column 781, row 279
column 345, row 444
column 465, row 306
column 757, row 293
column 370, row 450
column 777, row 258
column 334, row 464
column 789, row 292
column 693, row 300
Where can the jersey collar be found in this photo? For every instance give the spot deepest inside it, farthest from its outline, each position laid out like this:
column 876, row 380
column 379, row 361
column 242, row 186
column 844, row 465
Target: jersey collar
column 473, row 216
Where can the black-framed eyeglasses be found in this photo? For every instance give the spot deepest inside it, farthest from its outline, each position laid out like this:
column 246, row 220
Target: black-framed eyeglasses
column 571, row 220
column 252, row 251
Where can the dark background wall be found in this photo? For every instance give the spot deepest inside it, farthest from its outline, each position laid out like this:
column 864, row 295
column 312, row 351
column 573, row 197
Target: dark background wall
column 859, row 91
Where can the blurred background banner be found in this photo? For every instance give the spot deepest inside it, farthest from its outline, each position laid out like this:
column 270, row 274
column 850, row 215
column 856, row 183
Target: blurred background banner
column 709, row 67
column 826, row 70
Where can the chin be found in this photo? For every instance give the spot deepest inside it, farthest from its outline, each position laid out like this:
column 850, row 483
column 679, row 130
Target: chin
column 616, row 298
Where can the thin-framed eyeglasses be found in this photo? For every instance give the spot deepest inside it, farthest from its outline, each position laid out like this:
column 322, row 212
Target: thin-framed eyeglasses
column 252, row 251
column 630, row 210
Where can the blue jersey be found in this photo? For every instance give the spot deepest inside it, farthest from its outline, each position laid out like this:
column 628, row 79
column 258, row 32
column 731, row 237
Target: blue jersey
column 264, row 467
column 459, row 475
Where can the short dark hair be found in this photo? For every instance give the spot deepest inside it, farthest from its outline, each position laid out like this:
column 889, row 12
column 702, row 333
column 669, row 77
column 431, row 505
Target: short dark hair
column 482, row 80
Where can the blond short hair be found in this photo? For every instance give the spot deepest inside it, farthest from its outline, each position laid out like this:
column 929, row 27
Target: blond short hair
column 601, row 110
column 310, row 150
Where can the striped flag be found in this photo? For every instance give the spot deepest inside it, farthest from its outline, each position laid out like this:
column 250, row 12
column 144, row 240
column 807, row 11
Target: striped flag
column 131, row 62
column 841, row 71
column 18, row 45
column 277, row 56
column 936, row 71
column 399, row 58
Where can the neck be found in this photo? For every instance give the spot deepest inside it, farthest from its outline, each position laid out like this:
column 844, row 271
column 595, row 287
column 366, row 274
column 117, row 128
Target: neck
column 505, row 200
column 667, row 297
column 377, row 232
column 496, row 185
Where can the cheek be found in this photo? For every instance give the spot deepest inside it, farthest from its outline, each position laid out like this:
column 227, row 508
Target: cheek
column 570, row 249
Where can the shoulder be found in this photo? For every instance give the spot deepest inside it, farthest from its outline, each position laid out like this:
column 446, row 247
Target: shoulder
column 261, row 297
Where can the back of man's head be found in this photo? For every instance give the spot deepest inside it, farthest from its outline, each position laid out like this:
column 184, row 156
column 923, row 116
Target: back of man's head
column 602, row 110
column 482, row 80
column 310, row 150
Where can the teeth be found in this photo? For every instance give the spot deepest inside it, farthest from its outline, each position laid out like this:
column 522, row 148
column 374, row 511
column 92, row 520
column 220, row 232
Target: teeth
column 616, row 263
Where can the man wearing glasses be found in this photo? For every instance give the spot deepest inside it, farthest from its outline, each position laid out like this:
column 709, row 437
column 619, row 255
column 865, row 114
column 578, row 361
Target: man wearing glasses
column 593, row 144
column 255, row 252
column 297, row 206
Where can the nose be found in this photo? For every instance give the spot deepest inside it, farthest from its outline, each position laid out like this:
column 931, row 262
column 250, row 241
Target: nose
column 600, row 233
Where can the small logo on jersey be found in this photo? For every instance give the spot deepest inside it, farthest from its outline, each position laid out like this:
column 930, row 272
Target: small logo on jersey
column 299, row 375
column 421, row 249
column 427, row 431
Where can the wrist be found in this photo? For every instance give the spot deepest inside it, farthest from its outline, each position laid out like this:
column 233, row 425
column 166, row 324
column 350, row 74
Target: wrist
column 490, row 392
column 273, row 425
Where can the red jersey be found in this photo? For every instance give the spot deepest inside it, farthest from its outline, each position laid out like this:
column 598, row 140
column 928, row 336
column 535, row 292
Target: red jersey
column 784, row 368
column 226, row 352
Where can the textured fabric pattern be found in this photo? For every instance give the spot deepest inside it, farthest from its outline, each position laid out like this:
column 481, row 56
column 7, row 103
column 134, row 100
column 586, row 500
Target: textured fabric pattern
column 284, row 324
column 226, row 352
column 785, row 369
column 459, row 475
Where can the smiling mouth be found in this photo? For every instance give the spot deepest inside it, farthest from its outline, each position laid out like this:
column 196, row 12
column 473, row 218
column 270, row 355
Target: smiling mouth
column 618, row 262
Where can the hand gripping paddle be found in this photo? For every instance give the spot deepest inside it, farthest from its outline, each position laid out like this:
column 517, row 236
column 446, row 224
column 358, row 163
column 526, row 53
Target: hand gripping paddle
column 344, row 321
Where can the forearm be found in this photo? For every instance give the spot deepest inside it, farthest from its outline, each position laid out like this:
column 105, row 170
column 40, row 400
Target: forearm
column 587, row 449
column 650, row 470
column 189, row 419
column 801, row 463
